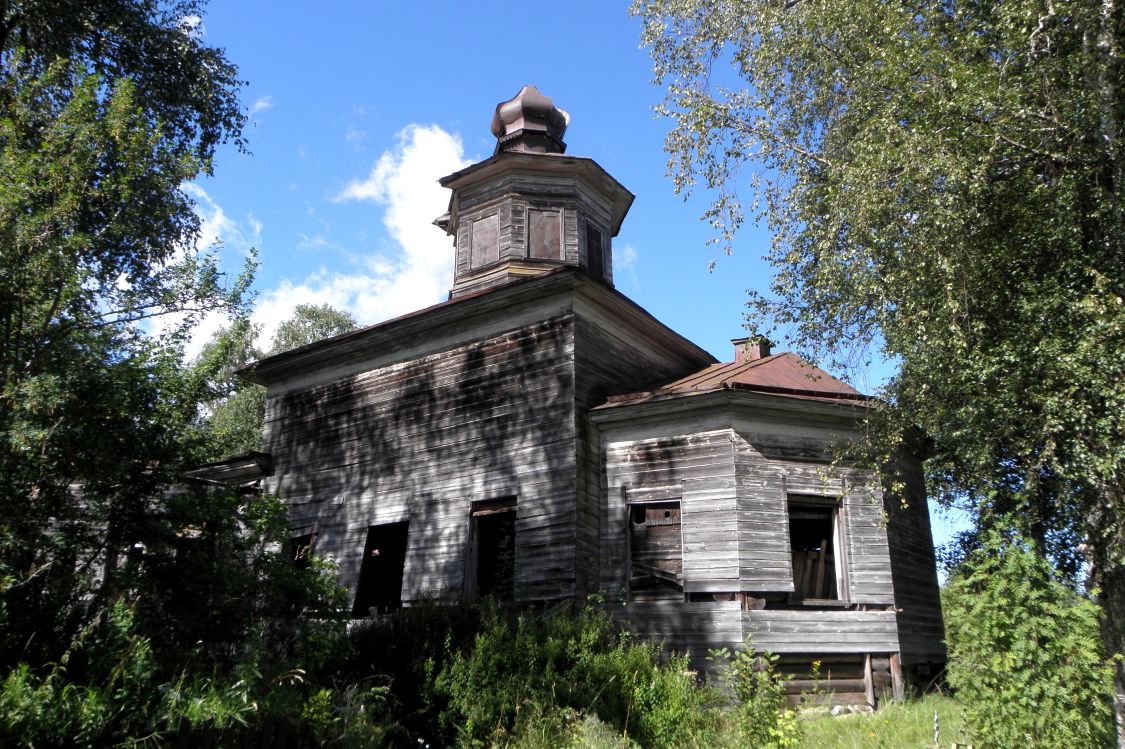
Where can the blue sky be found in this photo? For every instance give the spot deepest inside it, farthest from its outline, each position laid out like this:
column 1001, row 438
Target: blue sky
column 356, row 109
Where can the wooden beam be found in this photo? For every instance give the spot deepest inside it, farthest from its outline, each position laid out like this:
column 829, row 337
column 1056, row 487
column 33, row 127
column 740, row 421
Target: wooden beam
column 898, row 691
column 868, row 680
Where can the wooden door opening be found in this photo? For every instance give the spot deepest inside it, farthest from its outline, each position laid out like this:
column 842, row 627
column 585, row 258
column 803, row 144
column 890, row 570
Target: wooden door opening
column 493, row 562
column 813, row 535
column 380, row 574
column 656, row 560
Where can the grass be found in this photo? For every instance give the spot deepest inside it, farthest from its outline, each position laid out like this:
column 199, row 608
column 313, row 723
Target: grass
column 910, row 725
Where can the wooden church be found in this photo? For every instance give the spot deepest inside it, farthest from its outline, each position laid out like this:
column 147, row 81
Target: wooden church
column 540, row 437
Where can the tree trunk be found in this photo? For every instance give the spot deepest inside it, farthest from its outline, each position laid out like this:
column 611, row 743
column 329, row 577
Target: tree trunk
column 1107, row 575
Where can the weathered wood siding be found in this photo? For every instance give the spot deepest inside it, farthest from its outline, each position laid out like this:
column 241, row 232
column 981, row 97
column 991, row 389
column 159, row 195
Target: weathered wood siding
column 914, row 570
column 775, row 464
column 686, row 628
column 734, row 485
column 421, row 439
column 610, row 358
column 698, row 470
column 509, row 199
column 869, row 558
column 794, row 631
column 763, row 521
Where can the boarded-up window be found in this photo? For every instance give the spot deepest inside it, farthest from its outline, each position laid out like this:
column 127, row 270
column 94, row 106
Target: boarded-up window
column 380, row 573
column 493, row 562
column 656, row 566
column 486, row 241
column 595, row 257
column 813, row 541
column 544, row 235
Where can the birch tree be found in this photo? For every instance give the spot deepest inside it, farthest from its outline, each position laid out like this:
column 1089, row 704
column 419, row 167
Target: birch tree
column 944, row 182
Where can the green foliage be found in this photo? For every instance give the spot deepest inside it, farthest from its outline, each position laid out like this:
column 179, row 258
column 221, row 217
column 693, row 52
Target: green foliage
column 946, row 182
column 522, row 669
column 1025, row 655
column 408, row 649
column 228, row 637
column 129, row 611
column 108, row 107
column 310, row 323
column 761, row 715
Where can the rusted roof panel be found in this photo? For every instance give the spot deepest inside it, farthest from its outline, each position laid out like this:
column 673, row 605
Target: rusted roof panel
column 783, row 374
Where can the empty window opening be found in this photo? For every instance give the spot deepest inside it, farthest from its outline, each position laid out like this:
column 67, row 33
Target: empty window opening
column 595, row 256
column 813, row 541
column 494, row 548
column 300, row 550
column 380, row 574
column 656, row 561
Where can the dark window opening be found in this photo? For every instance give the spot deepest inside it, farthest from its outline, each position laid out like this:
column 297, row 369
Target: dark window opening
column 812, row 542
column 595, row 256
column 656, row 566
column 494, row 542
column 380, row 574
column 300, row 550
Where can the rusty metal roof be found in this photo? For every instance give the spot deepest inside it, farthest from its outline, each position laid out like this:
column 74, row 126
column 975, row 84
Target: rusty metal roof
column 782, row 374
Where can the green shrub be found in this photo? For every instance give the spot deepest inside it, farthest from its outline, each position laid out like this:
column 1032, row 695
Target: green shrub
column 761, row 715
column 407, row 649
column 1025, row 656
column 522, row 669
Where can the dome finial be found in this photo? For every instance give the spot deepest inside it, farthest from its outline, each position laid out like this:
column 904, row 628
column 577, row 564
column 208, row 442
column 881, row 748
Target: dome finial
column 529, row 123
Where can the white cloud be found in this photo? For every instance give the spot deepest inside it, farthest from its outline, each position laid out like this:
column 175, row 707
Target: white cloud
column 417, row 269
column 261, row 104
column 625, row 262
column 313, row 242
column 216, row 227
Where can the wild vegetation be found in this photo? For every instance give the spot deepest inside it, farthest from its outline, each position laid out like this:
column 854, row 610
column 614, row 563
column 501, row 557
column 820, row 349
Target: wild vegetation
column 1026, row 660
column 129, row 610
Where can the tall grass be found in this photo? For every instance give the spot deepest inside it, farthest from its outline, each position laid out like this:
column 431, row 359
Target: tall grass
column 893, row 726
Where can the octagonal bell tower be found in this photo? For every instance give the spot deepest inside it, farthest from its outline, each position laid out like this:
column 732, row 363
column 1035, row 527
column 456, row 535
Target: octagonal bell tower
column 530, row 208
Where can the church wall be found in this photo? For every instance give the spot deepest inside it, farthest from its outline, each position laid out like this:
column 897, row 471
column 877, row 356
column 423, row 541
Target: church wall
column 914, row 570
column 734, row 470
column 420, row 440
column 610, row 359
column 778, row 460
column 697, row 471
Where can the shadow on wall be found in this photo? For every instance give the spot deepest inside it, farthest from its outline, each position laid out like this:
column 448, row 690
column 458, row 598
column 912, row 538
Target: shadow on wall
column 419, row 442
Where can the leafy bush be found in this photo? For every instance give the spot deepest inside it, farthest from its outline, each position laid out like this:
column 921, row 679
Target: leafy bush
column 761, row 715
column 212, row 633
column 1025, row 656
column 406, row 650
column 523, row 669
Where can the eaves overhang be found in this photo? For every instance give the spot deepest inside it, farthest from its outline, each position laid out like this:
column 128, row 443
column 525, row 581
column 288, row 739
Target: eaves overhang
column 561, row 290
column 239, row 469
column 539, row 164
column 756, row 401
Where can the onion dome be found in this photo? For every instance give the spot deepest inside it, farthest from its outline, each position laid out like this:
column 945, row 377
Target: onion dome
column 529, row 123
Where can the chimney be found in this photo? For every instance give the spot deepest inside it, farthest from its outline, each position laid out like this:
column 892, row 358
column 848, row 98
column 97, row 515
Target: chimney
column 751, row 349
